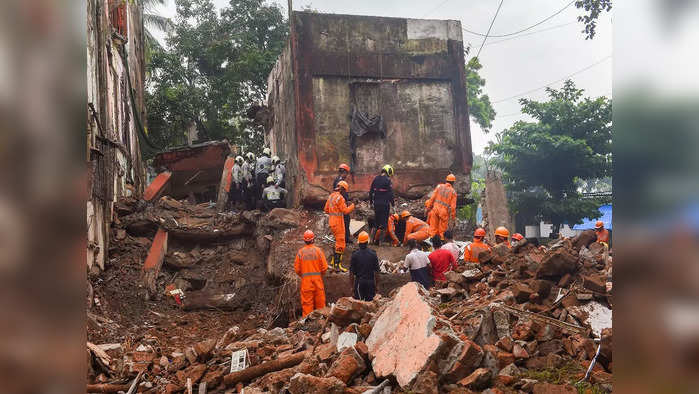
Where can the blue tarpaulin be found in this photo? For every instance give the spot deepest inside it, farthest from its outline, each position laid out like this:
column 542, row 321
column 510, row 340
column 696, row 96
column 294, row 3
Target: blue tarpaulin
column 606, row 217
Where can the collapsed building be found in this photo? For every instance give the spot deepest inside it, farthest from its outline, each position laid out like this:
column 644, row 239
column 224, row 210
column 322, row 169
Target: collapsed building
column 116, row 110
column 367, row 91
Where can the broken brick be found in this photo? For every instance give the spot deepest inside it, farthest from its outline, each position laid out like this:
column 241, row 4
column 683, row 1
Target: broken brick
column 478, row 380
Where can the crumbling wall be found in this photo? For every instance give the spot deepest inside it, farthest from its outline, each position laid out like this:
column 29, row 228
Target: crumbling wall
column 115, row 75
column 495, row 212
column 410, row 72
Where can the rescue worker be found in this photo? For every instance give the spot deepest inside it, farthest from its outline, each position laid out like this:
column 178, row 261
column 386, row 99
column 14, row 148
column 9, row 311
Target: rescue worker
column 278, row 172
column 310, row 266
column 392, row 220
column 273, row 196
column 516, row 237
column 364, row 265
column 336, row 207
column 451, row 246
column 602, row 233
column 441, row 260
column 381, row 198
column 476, row 247
column 236, row 193
column 418, row 262
column 441, row 207
column 343, row 172
column 263, row 167
column 249, row 181
column 414, row 228
column 501, row 236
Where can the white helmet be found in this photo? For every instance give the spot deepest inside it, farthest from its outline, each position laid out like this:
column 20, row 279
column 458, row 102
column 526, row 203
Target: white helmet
column 239, row 159
column 266, row 151
column 270, row 179
column 275, row 160
column 250, row 156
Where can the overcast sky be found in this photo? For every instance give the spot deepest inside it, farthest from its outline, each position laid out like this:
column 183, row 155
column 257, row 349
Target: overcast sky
column 514, row 65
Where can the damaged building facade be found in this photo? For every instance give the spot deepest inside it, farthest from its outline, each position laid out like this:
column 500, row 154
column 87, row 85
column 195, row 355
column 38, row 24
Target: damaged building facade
column 115, row 112
column 369, row 91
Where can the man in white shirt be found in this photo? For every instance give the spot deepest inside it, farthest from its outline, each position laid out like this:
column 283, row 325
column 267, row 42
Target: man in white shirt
column 451, row 246
column 418, row 263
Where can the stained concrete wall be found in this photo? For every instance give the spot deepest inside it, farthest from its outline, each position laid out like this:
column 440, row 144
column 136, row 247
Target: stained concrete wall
column 409, row 71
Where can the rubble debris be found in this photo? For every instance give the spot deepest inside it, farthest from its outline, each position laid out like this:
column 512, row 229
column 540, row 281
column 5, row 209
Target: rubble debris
column 262, row 369
column 489, row 327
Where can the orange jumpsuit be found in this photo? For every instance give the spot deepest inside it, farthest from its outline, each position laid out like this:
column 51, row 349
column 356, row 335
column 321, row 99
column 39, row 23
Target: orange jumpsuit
column 416, row 229
column 392, row 230
column 336, row 208
column 442, row 206
column 603, row 236
column 473, row 250
column 310, row 265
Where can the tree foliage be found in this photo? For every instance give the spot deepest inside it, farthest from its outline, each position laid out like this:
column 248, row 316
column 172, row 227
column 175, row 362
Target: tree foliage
column 214, row 67
column 543, row 161
column 594, row 9
column 479, row 106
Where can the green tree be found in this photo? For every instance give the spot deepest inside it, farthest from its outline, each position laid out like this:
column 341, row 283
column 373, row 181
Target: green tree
column 594, row 9
column 544, row 161
column 479, row 106
column 214, row 67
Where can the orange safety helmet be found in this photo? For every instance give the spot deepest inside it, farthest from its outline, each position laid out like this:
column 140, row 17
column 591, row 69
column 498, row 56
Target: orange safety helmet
column 405, row 214
column 308, row 236
column 479, row 232
column 517, row 236
column 599, row 224
column 502, row 231
column 342, row 184
column 344, row 166
column 451, row 178
column 363, row 237
column 396, row 216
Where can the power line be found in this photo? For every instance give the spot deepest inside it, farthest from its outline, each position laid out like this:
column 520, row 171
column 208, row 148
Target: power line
column 556, row 81
column 532, row 33
column 490, row 27
column 435, row 8
column 522, row 30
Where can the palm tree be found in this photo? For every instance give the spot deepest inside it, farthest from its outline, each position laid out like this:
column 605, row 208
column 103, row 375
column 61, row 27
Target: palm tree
column 151, row 20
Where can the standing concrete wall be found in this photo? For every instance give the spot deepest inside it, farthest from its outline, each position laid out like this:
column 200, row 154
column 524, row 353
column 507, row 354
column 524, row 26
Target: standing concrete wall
column 115, row 100
column 411, row 72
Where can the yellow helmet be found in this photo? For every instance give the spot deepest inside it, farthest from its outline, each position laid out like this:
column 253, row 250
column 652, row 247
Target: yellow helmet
column 388, row 169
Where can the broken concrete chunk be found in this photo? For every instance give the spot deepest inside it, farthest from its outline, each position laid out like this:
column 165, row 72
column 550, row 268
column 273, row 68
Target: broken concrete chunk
column 595, row 283
column 557, row 263
column 472, row 275
column 478, row 380
column 346, row 339
column 462, row 360
column 347, row 366
column 309, row 384
column 349, row 310
column 402, row 342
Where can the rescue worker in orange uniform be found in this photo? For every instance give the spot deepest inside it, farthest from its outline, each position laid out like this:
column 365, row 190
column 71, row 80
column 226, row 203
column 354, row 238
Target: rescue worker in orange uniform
column 602, row 233
column 342, row 172
column 441, row 207
column 336, row 207
column 516, row 237
column 476, row 247
column 310, row 266
column 501, row 236
column 414, row 228
column 391, row 232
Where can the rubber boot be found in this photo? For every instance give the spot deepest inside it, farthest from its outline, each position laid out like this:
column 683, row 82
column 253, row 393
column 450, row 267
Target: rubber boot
column 339, row 263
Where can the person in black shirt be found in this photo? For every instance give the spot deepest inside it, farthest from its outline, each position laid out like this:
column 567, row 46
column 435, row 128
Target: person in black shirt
column 363, row 268
column 343, row 172
column 381, row 199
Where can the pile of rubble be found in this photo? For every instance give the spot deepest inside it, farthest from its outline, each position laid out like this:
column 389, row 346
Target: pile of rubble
column 527, row 319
